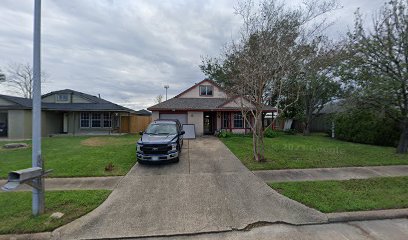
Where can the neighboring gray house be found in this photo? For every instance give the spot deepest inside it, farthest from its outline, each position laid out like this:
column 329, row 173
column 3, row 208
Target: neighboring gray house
column 323, row 120
column 208, row 107
column 65, row 111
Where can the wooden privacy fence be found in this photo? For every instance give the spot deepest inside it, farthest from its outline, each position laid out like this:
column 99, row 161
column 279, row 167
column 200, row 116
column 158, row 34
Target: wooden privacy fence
column 134, row 123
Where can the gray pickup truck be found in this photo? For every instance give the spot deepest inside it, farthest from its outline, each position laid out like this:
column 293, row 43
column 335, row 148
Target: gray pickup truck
column 161, row 142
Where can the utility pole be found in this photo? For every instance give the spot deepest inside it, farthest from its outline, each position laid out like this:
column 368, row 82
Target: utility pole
column 166, row 87
column 38, row 193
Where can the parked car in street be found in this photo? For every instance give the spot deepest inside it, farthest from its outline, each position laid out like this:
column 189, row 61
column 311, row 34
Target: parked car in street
column 3, row 129
column 161, row 142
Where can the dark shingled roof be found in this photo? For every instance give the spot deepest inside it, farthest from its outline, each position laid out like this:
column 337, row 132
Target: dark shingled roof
column 196, row 104
column 189, row 104
column 91, row 98
column 207, row 103
column 143, row 112
column 18, row 102
column 97, row 104
column 333, row 107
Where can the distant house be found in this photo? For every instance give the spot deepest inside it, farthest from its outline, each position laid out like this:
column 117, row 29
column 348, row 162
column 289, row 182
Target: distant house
column 323, row 120
column 65, row 111
column 208, row 107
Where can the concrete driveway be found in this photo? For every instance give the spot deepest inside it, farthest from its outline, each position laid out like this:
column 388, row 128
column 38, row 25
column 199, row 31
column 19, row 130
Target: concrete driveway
column 209, row 190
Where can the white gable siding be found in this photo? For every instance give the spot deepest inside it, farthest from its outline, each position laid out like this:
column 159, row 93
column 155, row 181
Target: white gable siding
column 195, row 92
column 72, row 98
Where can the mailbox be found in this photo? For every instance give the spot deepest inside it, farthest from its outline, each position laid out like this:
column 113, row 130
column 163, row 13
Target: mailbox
column 15, row 178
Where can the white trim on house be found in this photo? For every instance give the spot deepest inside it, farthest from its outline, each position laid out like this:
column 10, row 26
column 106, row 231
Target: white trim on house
column 104, row 117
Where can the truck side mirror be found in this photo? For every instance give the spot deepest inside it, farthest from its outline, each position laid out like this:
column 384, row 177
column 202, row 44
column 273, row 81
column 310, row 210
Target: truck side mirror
column 182, row 132
column 141, row 133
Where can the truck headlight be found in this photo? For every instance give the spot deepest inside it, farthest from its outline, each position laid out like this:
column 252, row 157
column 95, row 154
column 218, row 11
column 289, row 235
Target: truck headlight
column 138, row 148
column 173, row 146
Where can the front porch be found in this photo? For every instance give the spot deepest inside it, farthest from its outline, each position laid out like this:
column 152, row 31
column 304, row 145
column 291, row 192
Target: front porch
column 231, row 121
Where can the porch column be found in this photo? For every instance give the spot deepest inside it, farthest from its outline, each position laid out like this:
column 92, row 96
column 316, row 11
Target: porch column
column 230, row 120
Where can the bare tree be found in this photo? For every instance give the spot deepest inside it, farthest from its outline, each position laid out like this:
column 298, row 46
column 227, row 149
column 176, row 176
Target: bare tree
column 19, row 78
column 263, row 64
column 159, row 98
column 379, row 67
column 2, row 76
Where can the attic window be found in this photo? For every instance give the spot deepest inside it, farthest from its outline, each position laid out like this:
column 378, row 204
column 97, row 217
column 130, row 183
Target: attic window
column 62, row 97
column 206, row 90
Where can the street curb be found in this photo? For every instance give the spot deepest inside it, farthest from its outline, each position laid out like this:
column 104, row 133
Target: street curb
column 28, row 236
column 340, row 217
column 367, row 215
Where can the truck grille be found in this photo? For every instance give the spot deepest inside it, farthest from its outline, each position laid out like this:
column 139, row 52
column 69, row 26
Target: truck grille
column 155, row 149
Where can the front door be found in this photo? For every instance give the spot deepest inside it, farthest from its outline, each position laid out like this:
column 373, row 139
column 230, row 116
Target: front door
column 209, row 126
column 65, row 123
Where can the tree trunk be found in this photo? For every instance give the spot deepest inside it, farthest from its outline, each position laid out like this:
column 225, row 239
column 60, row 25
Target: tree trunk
column 259, row 153
column 255, row 145
column 306, row 130
column 403, row 141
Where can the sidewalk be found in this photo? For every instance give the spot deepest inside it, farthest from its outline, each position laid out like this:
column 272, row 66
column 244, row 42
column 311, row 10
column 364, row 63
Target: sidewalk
column 80, row 183
column 209, row 190
column 343, row 173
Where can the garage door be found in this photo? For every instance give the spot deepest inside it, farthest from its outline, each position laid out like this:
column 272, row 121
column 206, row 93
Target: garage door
column 182, row 117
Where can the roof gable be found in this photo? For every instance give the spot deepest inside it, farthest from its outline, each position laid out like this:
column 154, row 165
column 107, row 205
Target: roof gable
column 93, row 103
column 193, row 91
column 73, row 97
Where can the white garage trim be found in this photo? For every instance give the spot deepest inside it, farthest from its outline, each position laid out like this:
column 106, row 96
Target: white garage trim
column 182, row 117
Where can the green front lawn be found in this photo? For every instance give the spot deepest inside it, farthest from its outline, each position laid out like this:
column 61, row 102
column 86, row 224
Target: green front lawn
column 80, row 156
column 16, row 217
column 350, row 195
column 316, row 151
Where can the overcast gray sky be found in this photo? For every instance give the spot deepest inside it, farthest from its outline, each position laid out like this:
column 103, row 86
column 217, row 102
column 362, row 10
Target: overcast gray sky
column 127, row 50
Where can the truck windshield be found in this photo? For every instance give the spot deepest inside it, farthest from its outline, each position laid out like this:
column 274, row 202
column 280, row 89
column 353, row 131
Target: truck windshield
column 161, row 129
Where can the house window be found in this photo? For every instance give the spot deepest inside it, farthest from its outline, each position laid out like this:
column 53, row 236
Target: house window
column 225, row 120
column 84, row 120
column 96, row 120
column 107, row 121
column 62, row 97
column 238, row 122
column 206, row 90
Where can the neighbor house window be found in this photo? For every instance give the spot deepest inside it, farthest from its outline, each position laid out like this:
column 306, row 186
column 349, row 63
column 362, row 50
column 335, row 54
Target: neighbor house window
column 107, row 121
column 84, row 120
column 96, row 120
column 206, row 90
column 225, row 120
column 62, row 97
column 238, row 122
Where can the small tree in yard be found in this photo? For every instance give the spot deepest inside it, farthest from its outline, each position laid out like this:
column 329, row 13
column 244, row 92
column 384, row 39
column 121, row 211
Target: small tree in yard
column 261, row 66
column 319, row 84
column 379, row 69
column 19, row 77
